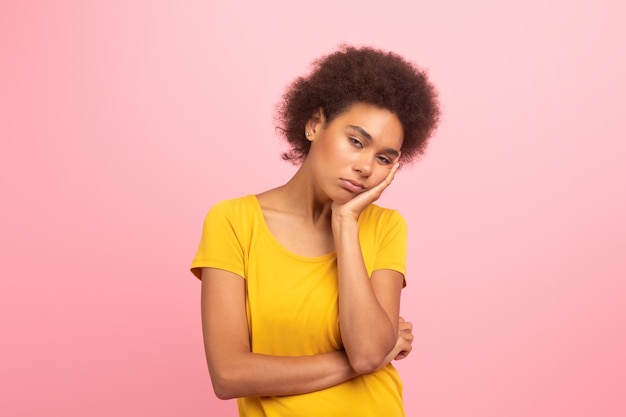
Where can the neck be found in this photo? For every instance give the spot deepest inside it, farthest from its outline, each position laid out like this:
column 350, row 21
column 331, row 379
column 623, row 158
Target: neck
column 302, row 196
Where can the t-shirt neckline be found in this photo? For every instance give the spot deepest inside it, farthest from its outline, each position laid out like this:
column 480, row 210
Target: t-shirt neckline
column 259, row 212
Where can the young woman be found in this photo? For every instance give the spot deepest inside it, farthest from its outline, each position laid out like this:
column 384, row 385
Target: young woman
column 301, row 284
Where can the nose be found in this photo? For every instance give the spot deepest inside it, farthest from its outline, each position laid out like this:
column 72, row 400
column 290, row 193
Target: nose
column 363, row 164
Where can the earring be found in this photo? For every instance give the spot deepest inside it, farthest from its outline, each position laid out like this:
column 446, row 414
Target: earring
column 307, row 134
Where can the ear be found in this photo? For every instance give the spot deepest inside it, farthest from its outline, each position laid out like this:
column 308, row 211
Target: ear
column 315, row 124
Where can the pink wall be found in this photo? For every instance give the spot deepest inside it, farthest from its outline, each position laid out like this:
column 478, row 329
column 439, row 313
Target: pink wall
column 122, row 121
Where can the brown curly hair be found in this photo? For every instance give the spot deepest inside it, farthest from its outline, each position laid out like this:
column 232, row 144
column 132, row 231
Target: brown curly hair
column 367, row 75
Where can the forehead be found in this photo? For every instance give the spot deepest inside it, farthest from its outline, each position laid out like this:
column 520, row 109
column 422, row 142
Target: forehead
column 378, row 122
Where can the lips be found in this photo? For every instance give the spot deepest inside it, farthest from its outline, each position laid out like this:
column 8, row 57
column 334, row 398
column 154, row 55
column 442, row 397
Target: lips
column 352, row 186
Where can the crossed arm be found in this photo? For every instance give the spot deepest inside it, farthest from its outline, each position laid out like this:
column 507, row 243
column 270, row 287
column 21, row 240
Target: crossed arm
column 371, row 330
column 237, row 372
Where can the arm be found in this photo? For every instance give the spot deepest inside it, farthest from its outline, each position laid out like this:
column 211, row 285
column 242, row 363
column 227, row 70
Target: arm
column 235, row 370
column 368, row 307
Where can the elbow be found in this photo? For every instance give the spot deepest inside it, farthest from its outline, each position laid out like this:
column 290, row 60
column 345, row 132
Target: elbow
column 366, row 360
column 223, row 393
column 224, row 386
column 229, row 377
column 365, row 364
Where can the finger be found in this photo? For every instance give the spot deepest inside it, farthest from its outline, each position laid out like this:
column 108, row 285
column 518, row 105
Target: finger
column 407, row 336
column 392, row 173
column 385, row 183
column 402, row 355
column 405, row 326
column 376, row 191
column 404, row 352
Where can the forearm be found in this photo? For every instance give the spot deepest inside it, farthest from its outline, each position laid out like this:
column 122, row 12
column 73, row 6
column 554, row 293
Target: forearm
column 248, row 374
column 367, row 332
column 235, row 370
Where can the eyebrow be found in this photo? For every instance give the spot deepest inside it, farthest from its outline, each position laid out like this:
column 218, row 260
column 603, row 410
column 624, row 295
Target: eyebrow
column 367, row 136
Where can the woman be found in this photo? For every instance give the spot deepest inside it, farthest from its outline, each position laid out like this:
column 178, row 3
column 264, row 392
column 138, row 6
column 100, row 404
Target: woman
column 301, row 284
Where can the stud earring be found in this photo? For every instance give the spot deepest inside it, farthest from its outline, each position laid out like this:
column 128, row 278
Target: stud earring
column 307, row 134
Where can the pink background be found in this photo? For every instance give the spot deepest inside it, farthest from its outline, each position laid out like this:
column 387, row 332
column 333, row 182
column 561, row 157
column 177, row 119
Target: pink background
column 122, row 122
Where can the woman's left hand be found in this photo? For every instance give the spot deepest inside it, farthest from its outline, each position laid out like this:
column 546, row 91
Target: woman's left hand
column 404, row 343
column 353, row 207
column 405, row 339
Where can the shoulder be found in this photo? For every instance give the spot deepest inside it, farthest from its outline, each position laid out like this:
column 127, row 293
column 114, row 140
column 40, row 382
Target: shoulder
column 225, row 236
column 236, row 207
column 377, row 216
column 236, row 215
column 383, row 235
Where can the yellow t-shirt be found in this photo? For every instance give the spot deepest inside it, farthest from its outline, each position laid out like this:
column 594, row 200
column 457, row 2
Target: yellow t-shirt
column 291, row 303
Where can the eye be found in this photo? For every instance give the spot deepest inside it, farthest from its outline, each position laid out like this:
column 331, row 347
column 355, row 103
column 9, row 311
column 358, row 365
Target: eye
column 355, row 142
column 383, row 160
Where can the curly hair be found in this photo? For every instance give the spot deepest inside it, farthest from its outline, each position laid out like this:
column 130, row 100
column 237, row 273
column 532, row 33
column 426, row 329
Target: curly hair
column 367, row 75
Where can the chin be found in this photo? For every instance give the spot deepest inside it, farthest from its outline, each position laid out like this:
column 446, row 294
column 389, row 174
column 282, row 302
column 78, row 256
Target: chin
column 342, row 199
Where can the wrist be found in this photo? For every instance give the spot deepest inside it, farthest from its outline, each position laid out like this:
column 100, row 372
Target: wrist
column 344, row 223
column 341, row 219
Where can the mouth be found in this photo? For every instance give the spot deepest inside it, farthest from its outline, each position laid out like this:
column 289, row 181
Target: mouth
column 352, row 186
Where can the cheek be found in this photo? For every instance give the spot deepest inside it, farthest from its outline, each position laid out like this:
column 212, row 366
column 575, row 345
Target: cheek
column 380, row 175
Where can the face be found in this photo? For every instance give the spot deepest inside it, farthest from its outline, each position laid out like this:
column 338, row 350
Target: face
column 355, row 151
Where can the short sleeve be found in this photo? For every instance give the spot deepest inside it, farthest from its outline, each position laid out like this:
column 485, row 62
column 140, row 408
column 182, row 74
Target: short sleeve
column 220, row 246
column 392, row 243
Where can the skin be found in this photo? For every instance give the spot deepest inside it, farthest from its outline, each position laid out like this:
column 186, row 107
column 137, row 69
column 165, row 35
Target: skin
column 352, row 160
